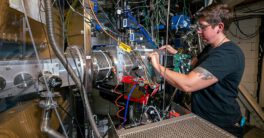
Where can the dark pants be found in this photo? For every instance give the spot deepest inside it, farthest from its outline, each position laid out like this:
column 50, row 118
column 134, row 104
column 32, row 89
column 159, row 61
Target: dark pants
column 234, row 130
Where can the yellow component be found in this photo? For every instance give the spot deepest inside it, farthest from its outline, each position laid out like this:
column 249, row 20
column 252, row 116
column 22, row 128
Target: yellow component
column 137, row 93
column 125, row 47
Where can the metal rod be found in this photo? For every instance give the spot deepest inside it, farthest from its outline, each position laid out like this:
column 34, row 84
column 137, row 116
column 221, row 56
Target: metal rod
column 59, row 118
column 167, row 41
column 45, row 125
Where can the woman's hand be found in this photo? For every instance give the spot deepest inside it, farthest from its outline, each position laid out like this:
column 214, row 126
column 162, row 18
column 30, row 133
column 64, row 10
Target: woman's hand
column 154, row 58
column 169, row 48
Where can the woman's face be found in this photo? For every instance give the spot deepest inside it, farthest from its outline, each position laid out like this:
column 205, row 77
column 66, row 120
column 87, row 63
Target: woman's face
column 206, row 31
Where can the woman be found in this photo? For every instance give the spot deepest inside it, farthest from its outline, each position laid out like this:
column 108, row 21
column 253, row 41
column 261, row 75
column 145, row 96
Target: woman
column 218, row 71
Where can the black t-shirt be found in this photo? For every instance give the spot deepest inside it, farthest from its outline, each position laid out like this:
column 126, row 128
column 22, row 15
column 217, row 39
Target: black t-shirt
column 217, row 103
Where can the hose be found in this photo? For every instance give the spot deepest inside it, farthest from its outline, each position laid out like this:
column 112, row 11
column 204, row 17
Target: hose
column 56, row 50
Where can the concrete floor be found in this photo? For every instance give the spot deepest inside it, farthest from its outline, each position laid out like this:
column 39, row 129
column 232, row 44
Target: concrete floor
column 254, row 133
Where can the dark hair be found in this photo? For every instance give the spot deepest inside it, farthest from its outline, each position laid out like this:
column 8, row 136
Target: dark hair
column 216, row 13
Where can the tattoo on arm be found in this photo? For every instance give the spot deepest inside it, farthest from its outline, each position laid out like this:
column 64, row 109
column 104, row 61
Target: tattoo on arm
column 205, row 74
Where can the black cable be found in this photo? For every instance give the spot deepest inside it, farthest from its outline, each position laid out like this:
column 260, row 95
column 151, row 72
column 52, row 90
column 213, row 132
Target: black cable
column 260, row 59
column 243, row 33
column 137, row 7
column 101, row 8
column 137, row 2
column 62, row 19
column 105, row 134
column 78, row 71
column 85, row 8
column 248, row 36
column 90, row 21
column 234, row 35
column 254, row 11
column 105, row 15
column 72, row 101
column 78, row 13
column 72, row 117
column 117, row 4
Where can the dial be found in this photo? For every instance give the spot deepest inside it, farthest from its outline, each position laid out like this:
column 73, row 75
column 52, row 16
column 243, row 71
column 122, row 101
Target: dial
column 23, row 80
column 2, row 83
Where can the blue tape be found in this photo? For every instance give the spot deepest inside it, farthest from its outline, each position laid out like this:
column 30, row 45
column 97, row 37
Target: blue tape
column 242, row 121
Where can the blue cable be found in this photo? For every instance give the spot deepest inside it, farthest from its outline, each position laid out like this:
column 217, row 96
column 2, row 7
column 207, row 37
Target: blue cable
column 128, row 98
column 143, row 31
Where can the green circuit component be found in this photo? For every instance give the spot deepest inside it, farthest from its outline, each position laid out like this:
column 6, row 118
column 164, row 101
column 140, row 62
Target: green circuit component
column 182, row 63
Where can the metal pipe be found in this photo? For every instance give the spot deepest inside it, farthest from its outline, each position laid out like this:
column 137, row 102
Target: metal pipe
column 45, row 125
column 167, row 41
column 56, row 50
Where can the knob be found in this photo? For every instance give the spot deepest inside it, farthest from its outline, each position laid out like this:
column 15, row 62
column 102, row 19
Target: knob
column 55, row 82
column 23, row 80
column 2, row 83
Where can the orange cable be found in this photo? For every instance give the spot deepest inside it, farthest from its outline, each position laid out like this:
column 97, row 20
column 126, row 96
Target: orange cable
column 95, row 17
